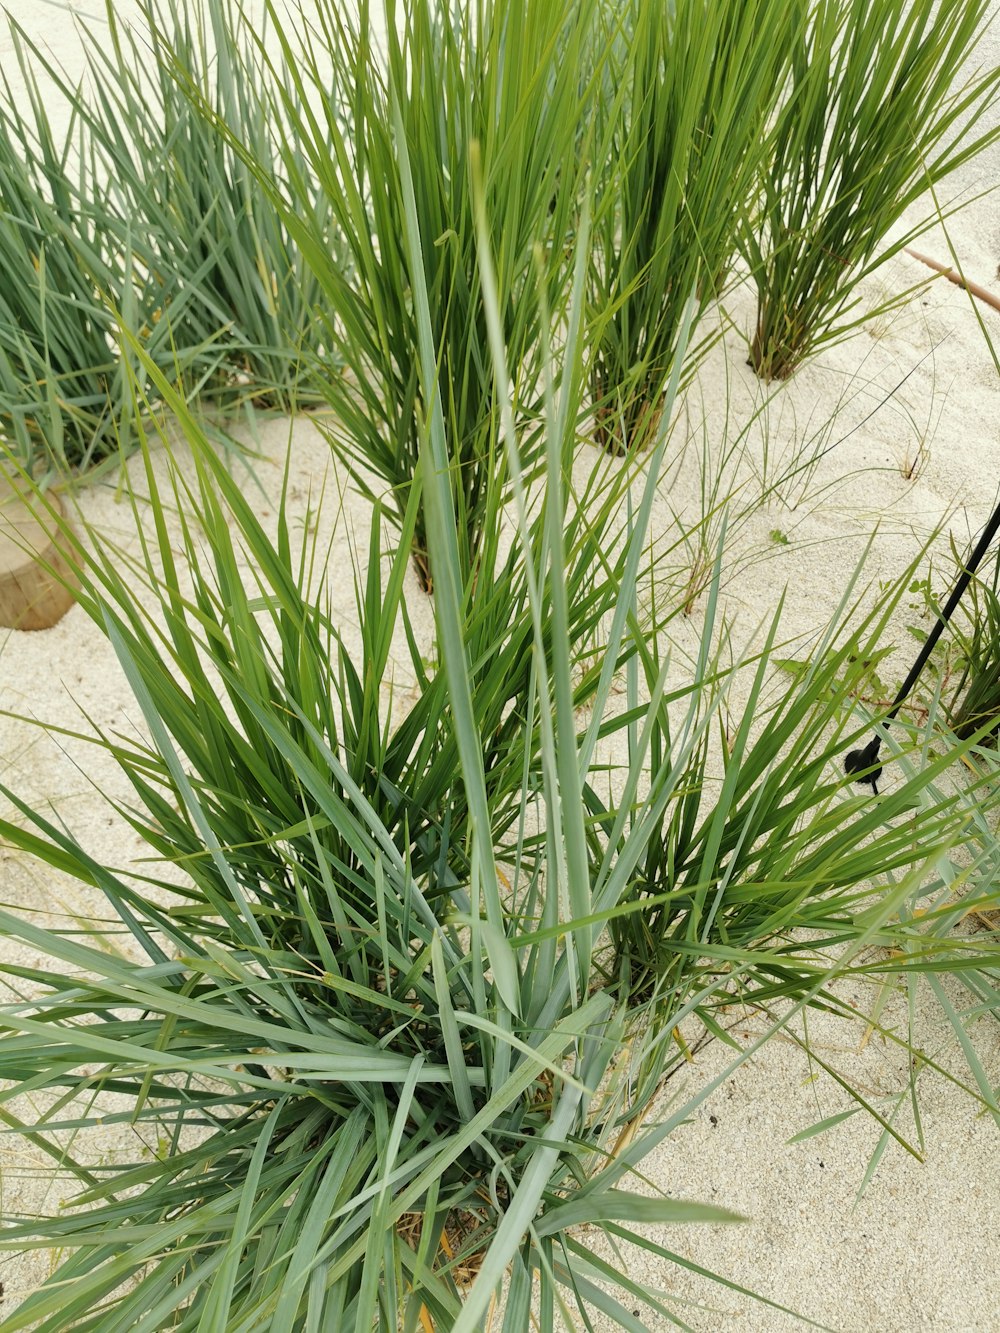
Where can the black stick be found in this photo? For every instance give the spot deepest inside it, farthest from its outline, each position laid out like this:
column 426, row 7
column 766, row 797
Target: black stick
column 863, row 764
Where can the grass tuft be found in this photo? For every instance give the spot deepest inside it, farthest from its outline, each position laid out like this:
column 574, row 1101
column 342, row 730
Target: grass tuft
column 683, row 126
column 874, row 117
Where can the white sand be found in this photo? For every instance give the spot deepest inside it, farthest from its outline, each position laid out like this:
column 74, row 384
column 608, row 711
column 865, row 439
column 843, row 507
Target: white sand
column 918, row 1250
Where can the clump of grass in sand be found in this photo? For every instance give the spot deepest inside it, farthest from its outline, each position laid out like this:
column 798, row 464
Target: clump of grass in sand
column 683, row 122
column 442, row 82
column 396, row 1076
column 145, row 218
column 57, row 367
column 871, row 122
column 967, row 669
column 198, row 218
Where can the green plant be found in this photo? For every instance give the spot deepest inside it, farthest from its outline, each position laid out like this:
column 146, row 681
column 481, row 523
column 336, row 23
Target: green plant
column 964, row 669
column 448, row 72
column 207, row 214
column 57, row 366
column 214, row 260
column 692, row 86
column 760, row 842
column 915, row 454
column 870, row 122
column 977, row 693
column 143, row 219
column 339, row 1040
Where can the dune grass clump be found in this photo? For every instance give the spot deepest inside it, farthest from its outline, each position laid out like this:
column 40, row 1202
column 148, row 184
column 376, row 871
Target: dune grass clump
column 441, row 84
column 381, row 1096
column 873, row 119
column 57, row 367
column 762, row 848
column 689, row 91
column 979, row 685
column 74, row 285
column 198, row 216
column 144, row 222
column 196, row 256
column 967, row 671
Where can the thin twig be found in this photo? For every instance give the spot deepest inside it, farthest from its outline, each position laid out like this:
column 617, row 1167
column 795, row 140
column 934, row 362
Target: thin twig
column 957, row 279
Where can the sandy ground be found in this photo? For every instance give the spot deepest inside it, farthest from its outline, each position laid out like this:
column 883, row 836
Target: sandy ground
column 913, row 403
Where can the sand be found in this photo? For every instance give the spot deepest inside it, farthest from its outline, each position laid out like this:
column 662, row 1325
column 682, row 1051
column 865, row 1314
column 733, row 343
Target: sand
column 914, row 400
